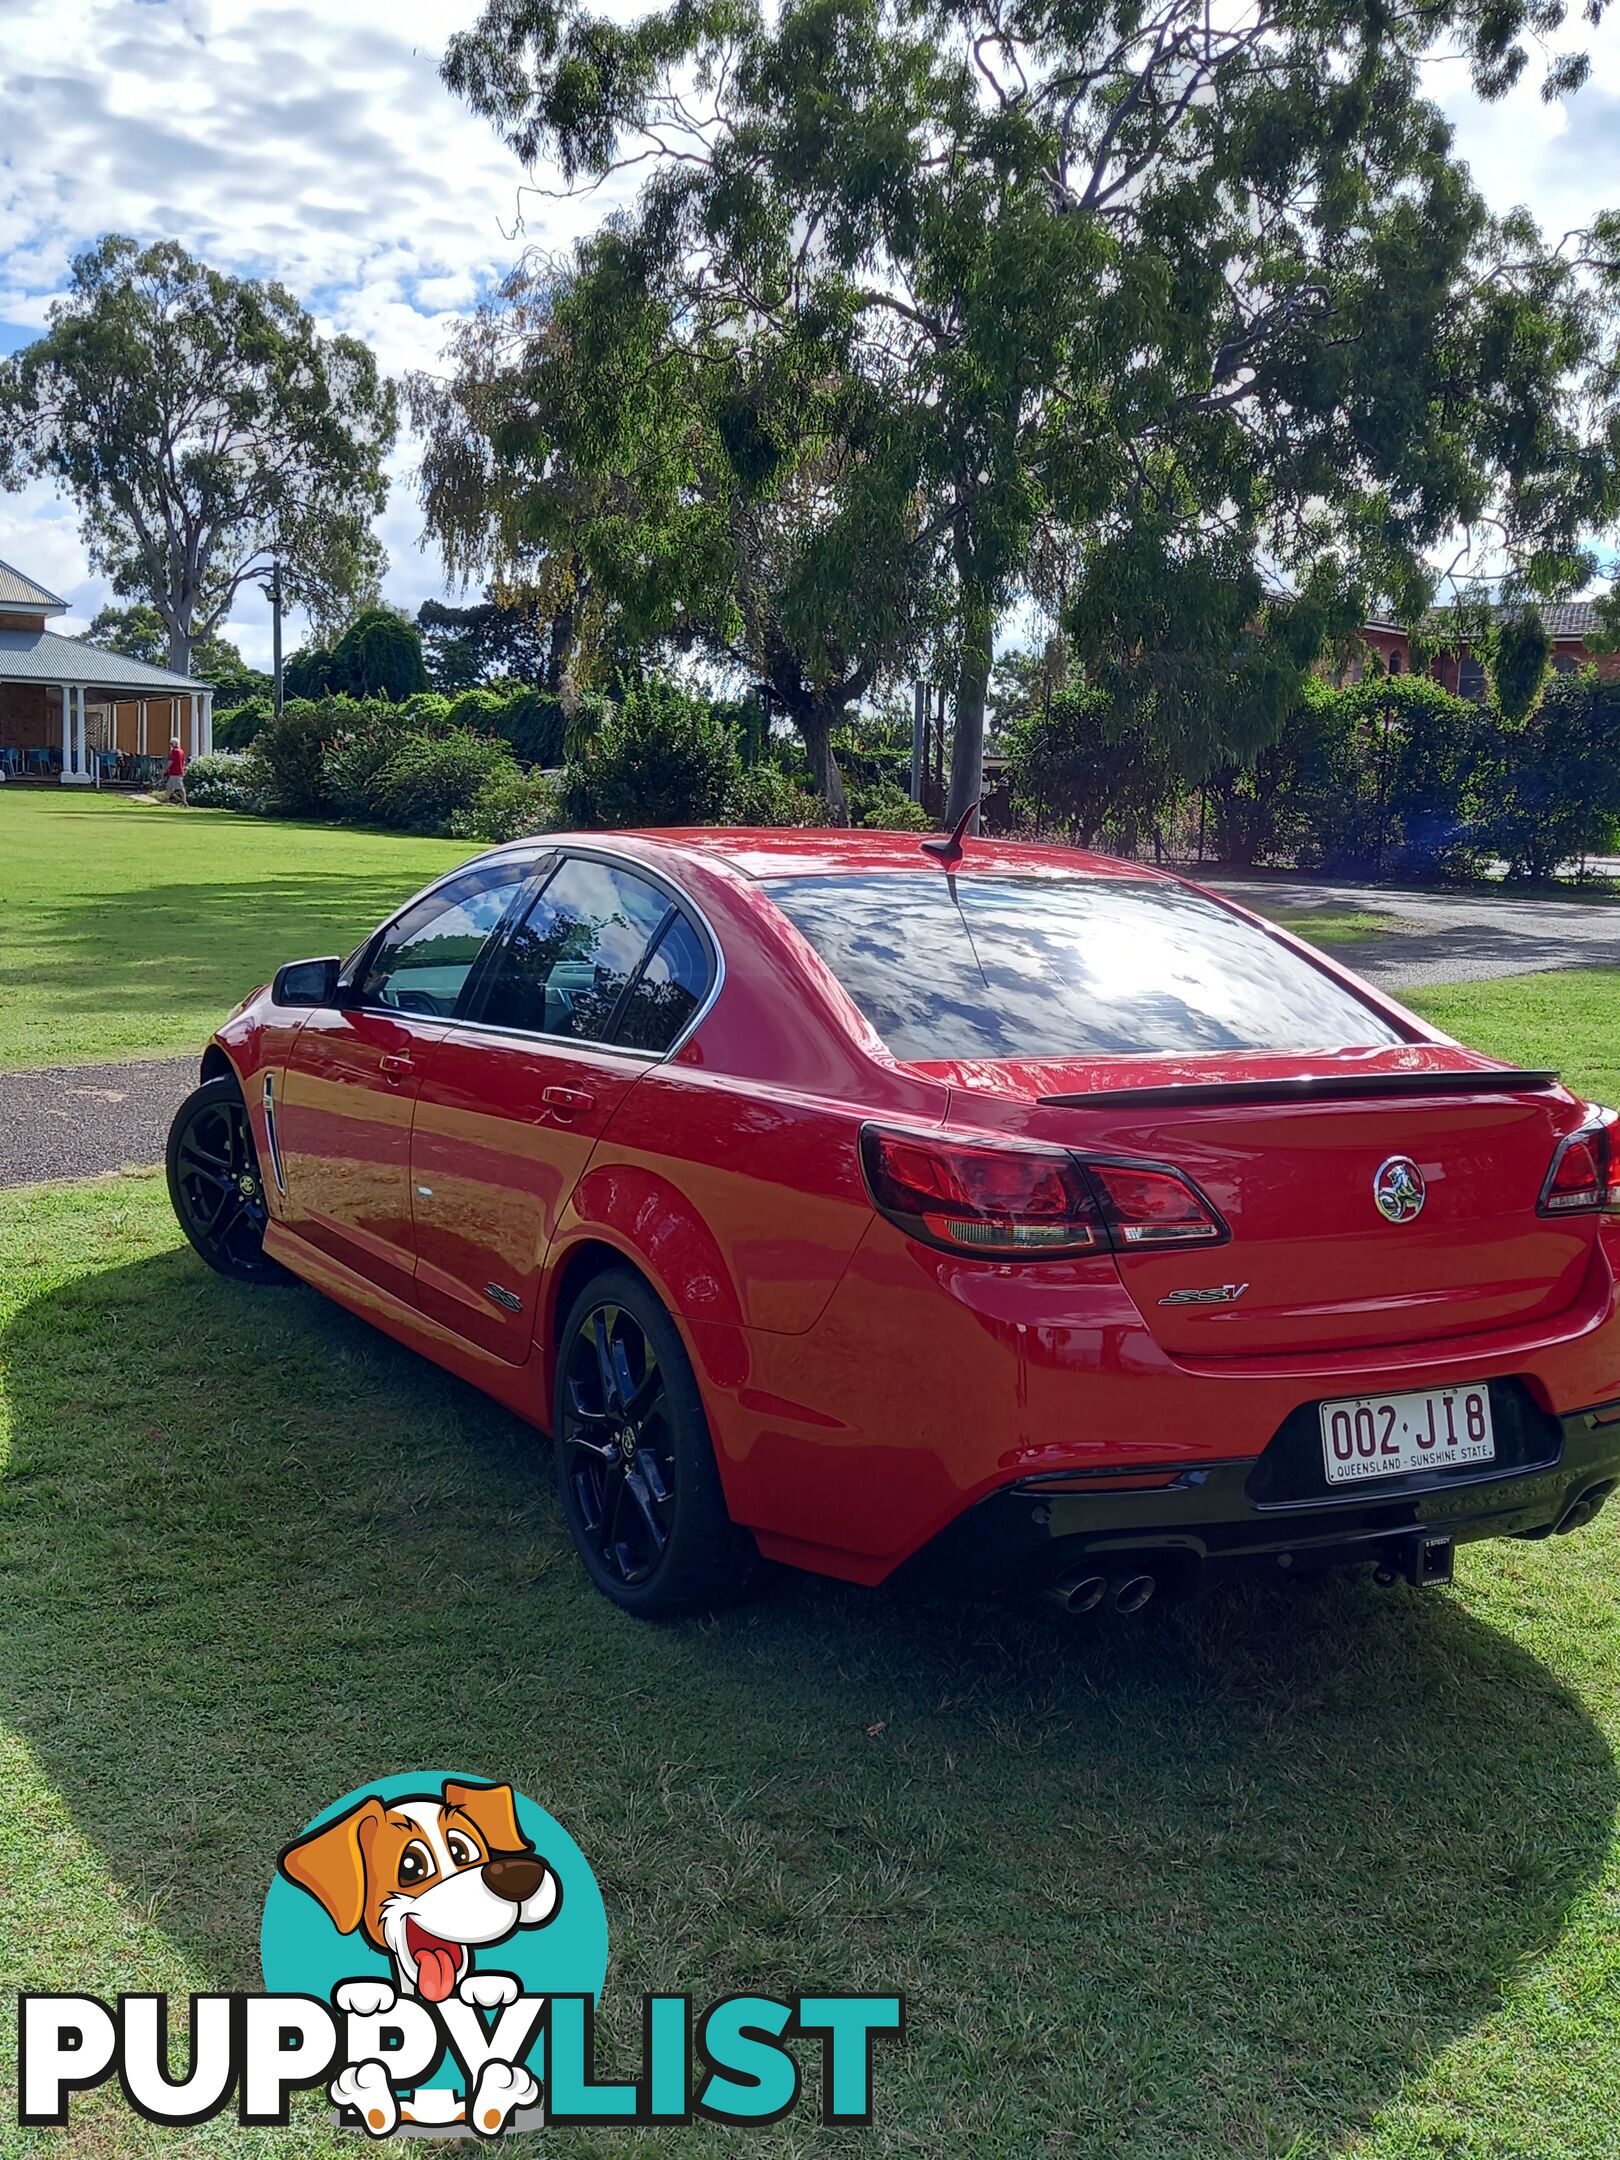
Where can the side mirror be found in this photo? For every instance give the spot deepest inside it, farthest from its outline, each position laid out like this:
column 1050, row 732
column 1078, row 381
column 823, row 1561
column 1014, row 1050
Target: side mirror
column 306, row 982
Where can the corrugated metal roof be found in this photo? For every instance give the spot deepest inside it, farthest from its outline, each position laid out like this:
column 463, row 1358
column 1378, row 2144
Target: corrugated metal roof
column 1563, row 618
column 1569, row 618
column 45, row 656
column 17, row 591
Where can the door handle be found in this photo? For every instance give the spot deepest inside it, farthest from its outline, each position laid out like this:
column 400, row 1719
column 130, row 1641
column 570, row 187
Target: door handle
column 566, row 1101
column 395, row 1063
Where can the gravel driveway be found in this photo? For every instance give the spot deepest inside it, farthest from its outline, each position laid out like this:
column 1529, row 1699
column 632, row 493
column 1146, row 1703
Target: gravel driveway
column 1453, row 937
column 77, row 1120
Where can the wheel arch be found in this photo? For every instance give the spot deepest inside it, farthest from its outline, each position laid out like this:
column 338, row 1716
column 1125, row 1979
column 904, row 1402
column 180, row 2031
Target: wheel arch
column 217, row 1066
column 588, row 1256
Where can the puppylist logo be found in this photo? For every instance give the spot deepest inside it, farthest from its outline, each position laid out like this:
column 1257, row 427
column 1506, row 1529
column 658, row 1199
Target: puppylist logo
column 433, row 1949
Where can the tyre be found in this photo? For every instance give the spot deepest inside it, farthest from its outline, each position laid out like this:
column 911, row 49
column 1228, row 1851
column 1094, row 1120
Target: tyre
column 215, row 1185
column 635, row 1463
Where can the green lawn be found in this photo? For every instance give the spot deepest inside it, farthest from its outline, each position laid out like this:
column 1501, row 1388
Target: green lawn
column 129, row 930
column 1569, row 1021
column 1328, row 1871
column 1332, row 925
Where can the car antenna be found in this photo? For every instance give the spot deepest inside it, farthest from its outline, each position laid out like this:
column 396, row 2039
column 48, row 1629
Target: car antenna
column 950, row 846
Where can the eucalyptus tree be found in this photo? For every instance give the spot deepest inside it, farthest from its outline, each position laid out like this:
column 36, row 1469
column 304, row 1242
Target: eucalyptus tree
column 1206, row 293
column 671, row 479
column 204, row 430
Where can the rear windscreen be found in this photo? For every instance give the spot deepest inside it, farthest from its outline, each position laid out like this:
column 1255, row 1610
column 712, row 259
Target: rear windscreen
column 1009, row 966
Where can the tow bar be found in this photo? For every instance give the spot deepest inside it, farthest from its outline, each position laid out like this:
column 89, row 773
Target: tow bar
column 1423, row 1561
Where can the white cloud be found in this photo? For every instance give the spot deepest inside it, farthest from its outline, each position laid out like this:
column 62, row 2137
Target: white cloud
column 1562, row 160
column 313, row 144
column 316, row 144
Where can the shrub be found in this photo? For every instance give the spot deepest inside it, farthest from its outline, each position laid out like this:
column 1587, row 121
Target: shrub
column 379, row 655
column 431, row 777
column 307, row 673
column 765, row 795
column 429, row 710
column 874, row 747
column 1552, row 786
column 1415, row 755
column 1519, row 660
column 663, row 757
column 1373, row 778
column 886, row 807
column 224, row 780
column 478, row 709
column 1078, row 763
column 509, row 804
column 287, row 755
column 353, row 764
column 534, row 724
column 241, row 726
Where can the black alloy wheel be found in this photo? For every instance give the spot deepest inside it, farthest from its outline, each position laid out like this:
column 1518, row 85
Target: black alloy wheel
column 621, row 1454
column 216, row 1186
column 635, row 1464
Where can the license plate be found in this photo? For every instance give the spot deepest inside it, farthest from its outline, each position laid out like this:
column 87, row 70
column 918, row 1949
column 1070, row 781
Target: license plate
column 1374, row 1436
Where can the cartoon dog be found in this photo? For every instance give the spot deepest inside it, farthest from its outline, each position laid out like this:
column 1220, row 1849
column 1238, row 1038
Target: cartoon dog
column 428, row 1880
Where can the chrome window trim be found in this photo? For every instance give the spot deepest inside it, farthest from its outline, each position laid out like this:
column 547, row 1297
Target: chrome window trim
column 658, row 877
column 549, row 1042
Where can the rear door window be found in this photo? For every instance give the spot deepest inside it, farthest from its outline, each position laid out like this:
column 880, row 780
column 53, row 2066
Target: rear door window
column 567, row 964
column 668, row 990
column 1026, row 966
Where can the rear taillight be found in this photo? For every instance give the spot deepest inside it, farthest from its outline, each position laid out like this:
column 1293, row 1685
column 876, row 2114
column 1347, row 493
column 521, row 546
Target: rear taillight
column 1583, row 1179
column 1004, row 1200
column 986, row 1197
column 1155, row 1207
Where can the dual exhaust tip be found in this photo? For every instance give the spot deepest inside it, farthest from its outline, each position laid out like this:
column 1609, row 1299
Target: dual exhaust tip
column 1085, row 1592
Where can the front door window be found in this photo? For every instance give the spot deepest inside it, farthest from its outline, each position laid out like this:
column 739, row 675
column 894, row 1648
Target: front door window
column 422, row 962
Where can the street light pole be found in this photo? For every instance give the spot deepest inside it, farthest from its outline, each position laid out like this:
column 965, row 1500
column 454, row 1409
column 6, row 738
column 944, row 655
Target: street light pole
column 275, row 628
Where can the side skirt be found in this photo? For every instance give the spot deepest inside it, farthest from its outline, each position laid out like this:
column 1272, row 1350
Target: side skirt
column 513, row 1386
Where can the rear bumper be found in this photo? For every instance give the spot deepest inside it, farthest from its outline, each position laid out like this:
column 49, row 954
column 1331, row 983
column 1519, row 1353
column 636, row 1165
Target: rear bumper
column 932, row 1387
column 1199, row 1522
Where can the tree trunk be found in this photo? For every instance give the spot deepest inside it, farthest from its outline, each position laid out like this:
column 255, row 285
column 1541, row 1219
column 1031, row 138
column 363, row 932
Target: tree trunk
column 816, row 727
column 180, row 644
column 559, row 648
column 972, row 692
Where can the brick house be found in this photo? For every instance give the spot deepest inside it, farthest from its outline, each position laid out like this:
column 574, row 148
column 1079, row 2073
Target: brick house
column 71, row 712
column 1568, row 624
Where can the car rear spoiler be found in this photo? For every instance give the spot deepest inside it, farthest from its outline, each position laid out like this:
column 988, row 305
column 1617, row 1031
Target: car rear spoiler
column 1312, row 1087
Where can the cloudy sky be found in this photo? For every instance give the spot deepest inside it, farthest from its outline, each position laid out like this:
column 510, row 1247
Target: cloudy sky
column 315, row 143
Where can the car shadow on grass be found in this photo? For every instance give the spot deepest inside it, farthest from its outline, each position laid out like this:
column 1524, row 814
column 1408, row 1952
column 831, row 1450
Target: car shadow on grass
column 1220, row 1880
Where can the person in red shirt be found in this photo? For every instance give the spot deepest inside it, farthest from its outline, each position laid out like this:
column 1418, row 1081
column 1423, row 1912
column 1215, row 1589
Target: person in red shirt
column 174, row 787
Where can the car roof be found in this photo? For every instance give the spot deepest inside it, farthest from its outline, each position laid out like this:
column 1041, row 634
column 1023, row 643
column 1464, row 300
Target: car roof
column 768, row 852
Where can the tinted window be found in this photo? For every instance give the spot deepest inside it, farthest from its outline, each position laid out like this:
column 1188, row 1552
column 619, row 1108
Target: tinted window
column 566, row 964
column 669, row 989
column 1063, row 967
column 424, row 959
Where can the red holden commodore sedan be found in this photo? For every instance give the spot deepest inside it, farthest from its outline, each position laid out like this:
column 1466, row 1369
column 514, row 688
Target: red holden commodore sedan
column 867, row 1203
